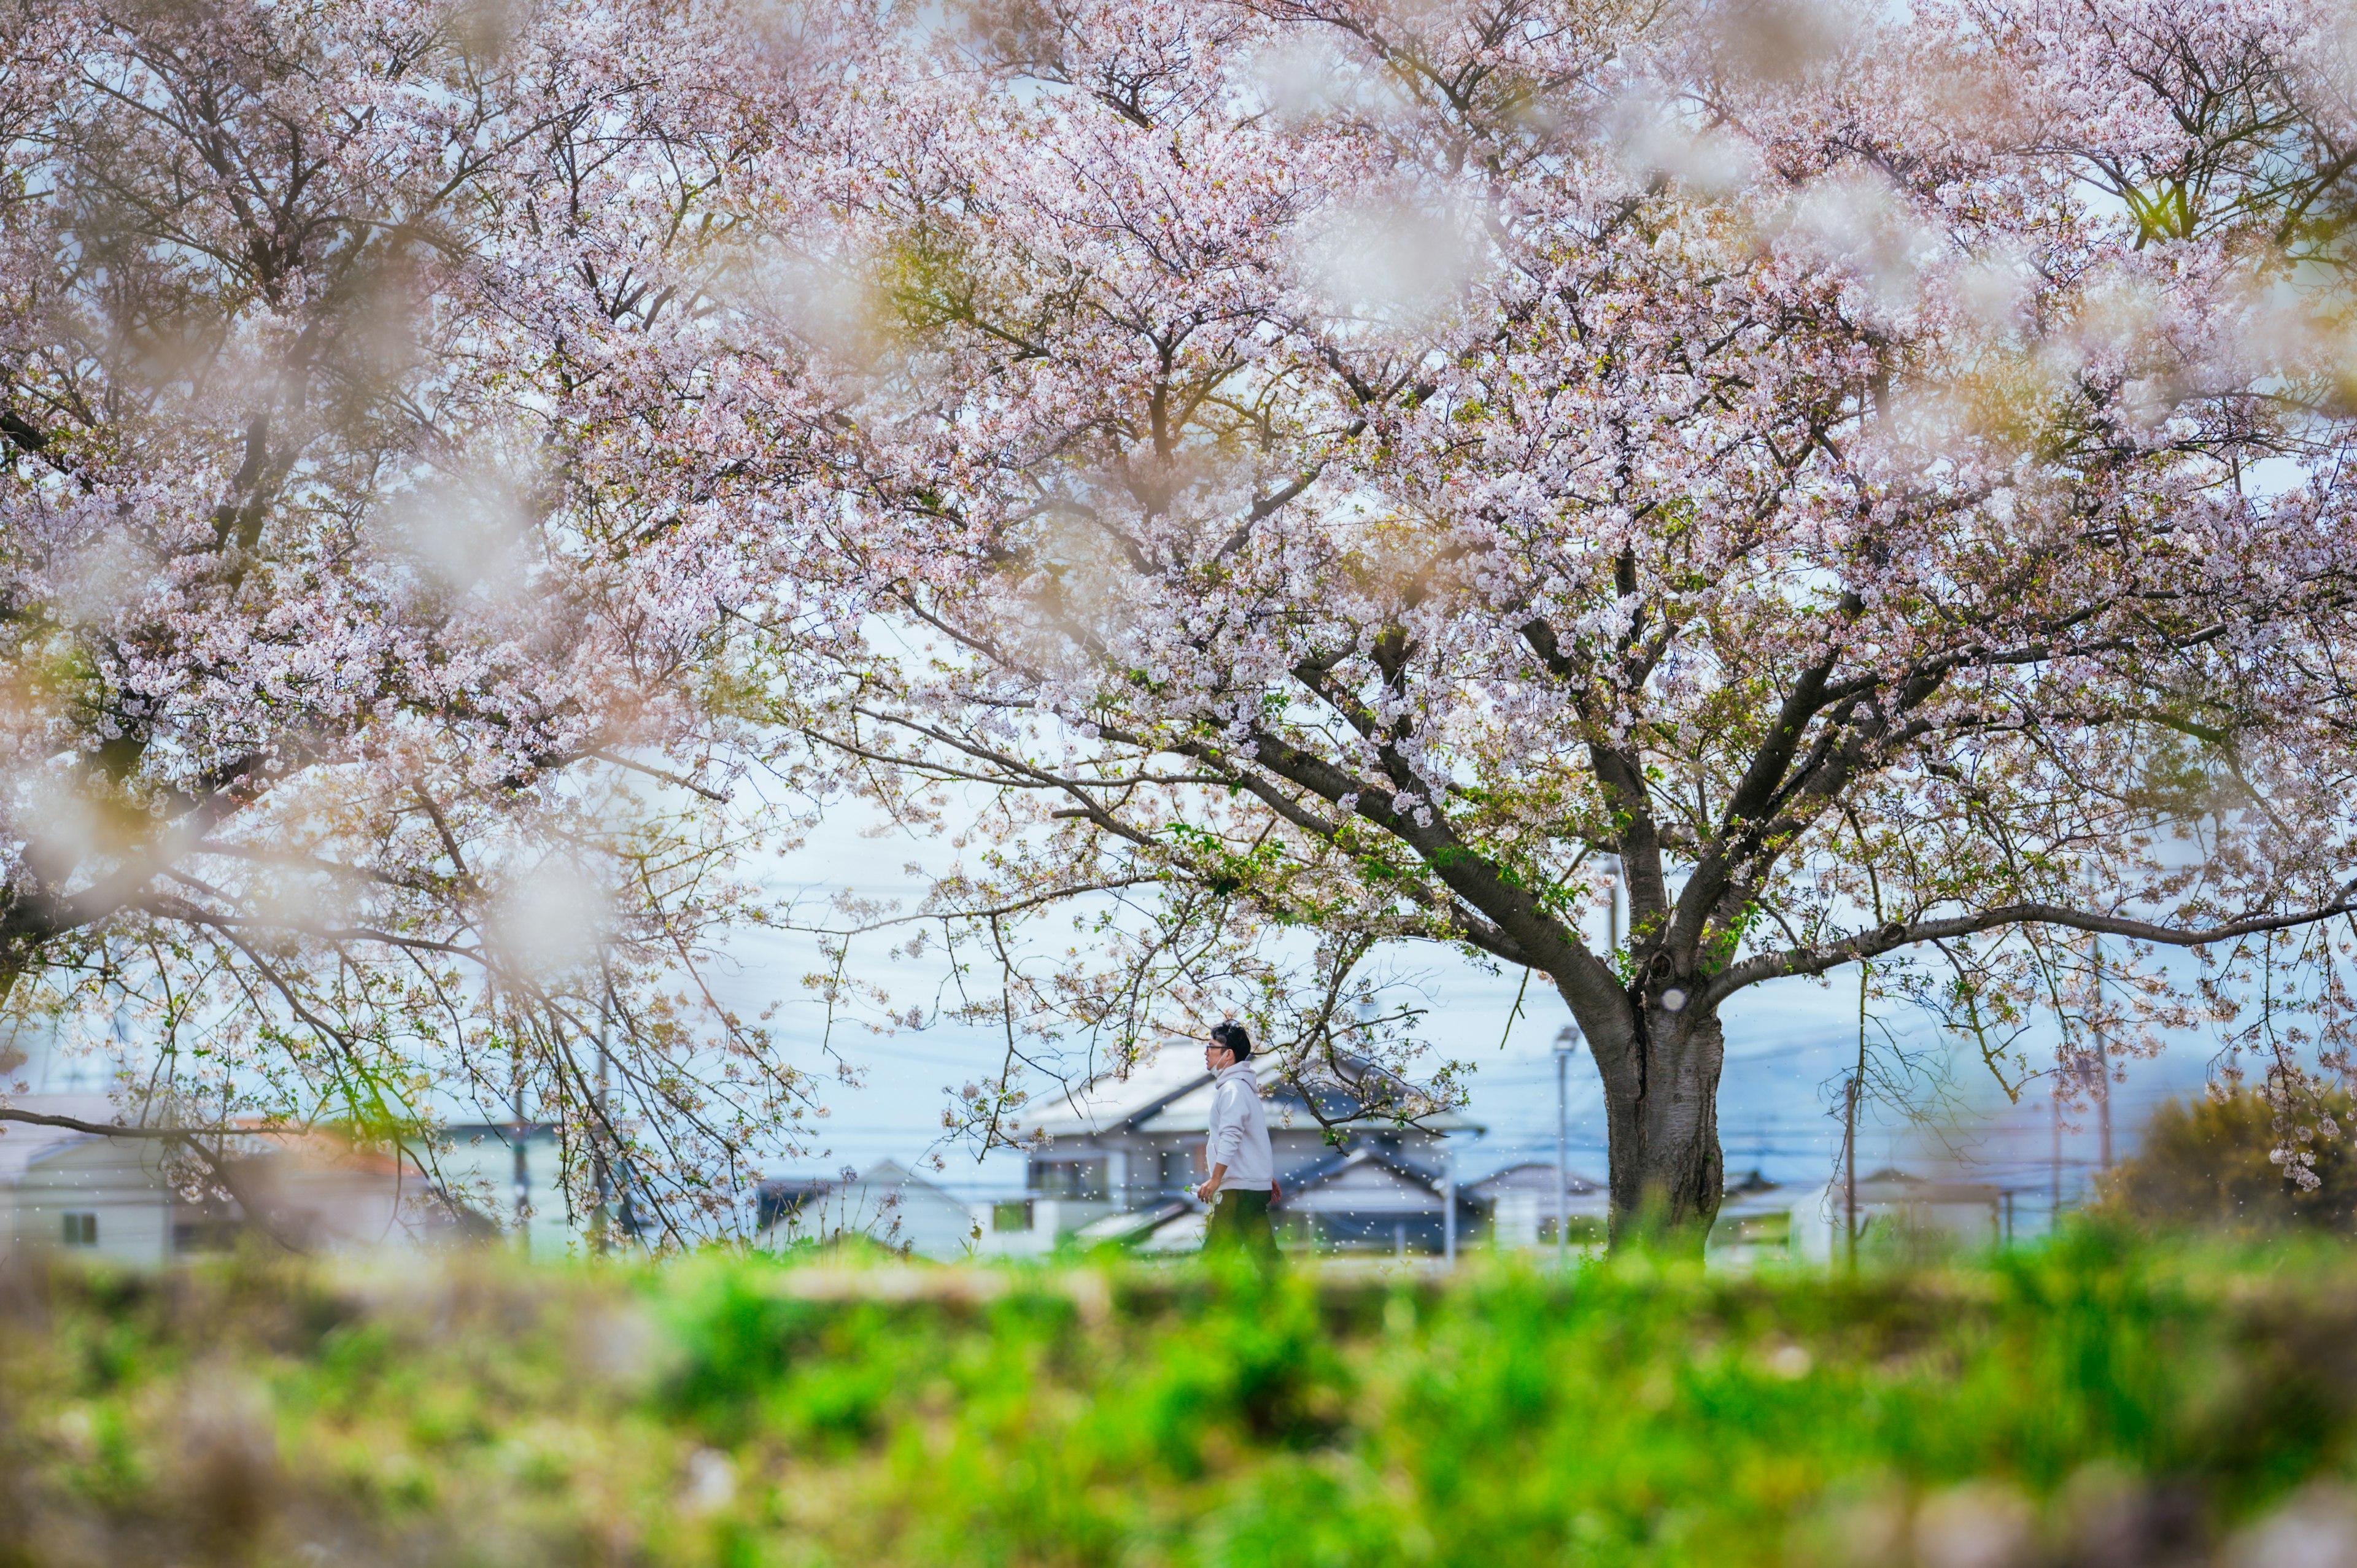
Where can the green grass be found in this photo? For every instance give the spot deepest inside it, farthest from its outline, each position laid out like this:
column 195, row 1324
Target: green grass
column 739, row 1412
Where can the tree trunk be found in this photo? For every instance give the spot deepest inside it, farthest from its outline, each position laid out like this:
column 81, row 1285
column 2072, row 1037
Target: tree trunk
column 1661, row 1107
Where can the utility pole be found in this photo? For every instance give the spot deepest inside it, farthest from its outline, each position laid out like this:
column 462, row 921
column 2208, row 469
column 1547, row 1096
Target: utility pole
column 2102, row 1066
column 600, row 1237
column 2055, row 1223
column 522, row 1167
column 1849, row 1167
column 1849, row 1116
column 1566, row 1040
column 2104, row 1112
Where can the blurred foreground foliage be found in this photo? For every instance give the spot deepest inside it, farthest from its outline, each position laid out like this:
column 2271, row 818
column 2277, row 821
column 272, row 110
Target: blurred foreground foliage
column 2220, row 1163
column 2091, row 1401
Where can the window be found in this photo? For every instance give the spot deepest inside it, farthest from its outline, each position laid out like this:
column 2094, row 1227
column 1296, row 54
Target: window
column 81, row 1229
column 1015, row 1216
column 210, row 1235
column 1180, row 1170
column 1069, row 1178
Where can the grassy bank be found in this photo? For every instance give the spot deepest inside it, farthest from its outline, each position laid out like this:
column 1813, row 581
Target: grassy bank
column 2081, row 1403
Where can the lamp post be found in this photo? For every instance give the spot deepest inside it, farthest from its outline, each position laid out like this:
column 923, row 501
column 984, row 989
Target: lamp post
column 1447, row 1203
column 1566, row 1040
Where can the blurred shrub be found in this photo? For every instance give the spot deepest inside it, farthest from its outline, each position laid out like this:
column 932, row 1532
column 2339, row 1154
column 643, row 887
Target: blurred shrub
column 2092, row 1402
column 2214, row 1164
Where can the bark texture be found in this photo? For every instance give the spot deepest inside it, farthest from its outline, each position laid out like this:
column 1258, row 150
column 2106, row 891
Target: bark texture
column 1660, row 1069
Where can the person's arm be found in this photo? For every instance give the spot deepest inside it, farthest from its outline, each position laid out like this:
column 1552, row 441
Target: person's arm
column 1210, row 1189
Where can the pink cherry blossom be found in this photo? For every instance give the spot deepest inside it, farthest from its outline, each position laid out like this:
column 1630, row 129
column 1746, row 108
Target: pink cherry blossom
column 1349, row 475
column 386, row 447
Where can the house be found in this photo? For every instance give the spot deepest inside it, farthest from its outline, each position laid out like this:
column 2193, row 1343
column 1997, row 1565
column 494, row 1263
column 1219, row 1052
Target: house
column 1374, row 1198
column 1116, row 1159
column 1522, row 1202
column 125, row 1221
column 115, row 1198
column 1755, row 1221
column 1364, row 1199
column 512, row 1176
column 1893, row 1206
column 886, row 1203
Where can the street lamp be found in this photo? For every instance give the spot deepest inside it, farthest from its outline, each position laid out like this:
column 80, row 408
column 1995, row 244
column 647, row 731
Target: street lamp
column 1448, row 1204
column 1566, row 1040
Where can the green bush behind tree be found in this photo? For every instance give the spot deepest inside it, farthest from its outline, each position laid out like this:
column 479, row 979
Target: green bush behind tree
column 2214, row 1164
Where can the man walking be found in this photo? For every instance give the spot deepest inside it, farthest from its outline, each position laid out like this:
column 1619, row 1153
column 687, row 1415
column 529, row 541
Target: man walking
column 1244, row 1170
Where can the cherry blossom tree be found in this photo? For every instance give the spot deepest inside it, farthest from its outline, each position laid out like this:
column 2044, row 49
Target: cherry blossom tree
column 1288, row 481
column 1342, row 474
column 373, row 400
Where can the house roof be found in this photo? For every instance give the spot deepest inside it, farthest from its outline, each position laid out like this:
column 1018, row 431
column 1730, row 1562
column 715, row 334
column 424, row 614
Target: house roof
column 898, row 1177
column 1891, row 1185
column 1105, row 1103
column 783, row 1198
column 1134, row 1226
column 22, row 1143
column 1171, row 1094
column 1916, row 1190
column 790, row 1189
column 1532, row 1176
column 1538, row 1177
column 1180, row 1233
column 267, row 1153
column 1367, row 1179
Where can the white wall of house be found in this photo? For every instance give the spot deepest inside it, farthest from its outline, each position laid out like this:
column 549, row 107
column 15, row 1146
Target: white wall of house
column 1514, row 1219
column 1044, row 1222
column 1958, row 1217
column 888, row 1204
column 83, row 1194
column 1007, row 1233
column 115, row 1192
column 22, row 1143
column 1524, row 1199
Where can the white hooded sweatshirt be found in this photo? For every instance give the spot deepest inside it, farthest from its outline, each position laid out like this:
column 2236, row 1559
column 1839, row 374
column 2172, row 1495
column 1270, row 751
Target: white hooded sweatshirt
column 1240, row 1130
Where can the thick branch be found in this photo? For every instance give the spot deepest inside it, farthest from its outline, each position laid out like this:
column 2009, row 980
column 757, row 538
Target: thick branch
column 1900, row 934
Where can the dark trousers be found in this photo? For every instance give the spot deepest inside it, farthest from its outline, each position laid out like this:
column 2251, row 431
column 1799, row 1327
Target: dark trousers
column 1239, row 1222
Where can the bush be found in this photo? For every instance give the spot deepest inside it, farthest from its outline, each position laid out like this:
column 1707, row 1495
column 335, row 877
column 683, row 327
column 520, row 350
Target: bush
column 2093, row 1400
column 2212, row 1165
